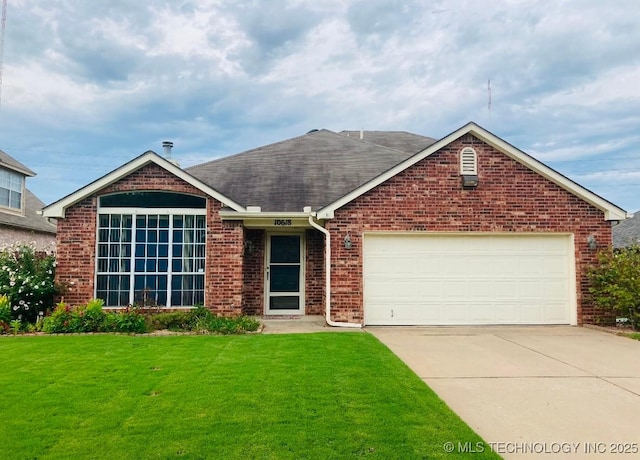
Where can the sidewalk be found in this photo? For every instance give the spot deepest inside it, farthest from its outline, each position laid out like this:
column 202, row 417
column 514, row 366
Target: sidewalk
column 300, row 325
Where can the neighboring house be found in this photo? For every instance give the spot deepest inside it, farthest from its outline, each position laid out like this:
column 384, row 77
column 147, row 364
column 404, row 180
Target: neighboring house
column 374, row 228
column 20, row 221
column 627, row 233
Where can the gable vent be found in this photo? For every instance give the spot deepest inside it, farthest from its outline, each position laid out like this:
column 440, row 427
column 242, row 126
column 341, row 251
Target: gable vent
column 468, row 162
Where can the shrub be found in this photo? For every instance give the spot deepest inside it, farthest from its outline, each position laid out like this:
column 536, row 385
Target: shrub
column 27, row 279
column 61, row 320
column 616, row 283
column 173, row 321
column 128, row 319
column 5, row 314
column 92, row 318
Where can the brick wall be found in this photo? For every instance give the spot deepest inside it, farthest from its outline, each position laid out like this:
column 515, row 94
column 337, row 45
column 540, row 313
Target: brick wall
column 314, row 273
column 254, row 272
column 40, row 240
column 429, row 197
column 76, row 242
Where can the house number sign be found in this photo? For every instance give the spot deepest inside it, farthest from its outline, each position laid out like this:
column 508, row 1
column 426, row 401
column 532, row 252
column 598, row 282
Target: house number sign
column 282, row 222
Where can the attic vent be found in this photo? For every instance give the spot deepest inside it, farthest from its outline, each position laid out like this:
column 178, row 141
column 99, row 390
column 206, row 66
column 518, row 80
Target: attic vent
column 468, row 162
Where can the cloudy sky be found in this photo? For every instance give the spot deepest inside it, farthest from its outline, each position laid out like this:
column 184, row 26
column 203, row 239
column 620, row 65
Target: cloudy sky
column 89, row 85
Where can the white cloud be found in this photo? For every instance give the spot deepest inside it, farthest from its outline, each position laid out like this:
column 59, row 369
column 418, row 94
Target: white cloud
column 222, row 76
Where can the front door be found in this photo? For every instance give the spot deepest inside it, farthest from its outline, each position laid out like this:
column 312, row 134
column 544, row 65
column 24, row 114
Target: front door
column 284, row 274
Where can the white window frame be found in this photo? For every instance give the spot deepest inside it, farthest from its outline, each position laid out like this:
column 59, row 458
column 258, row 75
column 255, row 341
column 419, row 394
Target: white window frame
column 11, row 177
column 132, row 273
column 468, row 162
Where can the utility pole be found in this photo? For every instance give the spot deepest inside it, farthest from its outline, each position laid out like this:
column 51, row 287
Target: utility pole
column 3, row 23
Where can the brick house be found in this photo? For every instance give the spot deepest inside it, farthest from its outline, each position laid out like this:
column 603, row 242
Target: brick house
column 373, row 228
column 20, row 221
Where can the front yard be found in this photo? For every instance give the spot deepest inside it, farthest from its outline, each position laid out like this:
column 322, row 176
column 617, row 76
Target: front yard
column 327, row 395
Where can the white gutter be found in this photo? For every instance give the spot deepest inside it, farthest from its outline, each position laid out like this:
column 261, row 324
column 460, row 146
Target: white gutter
column 327, row 272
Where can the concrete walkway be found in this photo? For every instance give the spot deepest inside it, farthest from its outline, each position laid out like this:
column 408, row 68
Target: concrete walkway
column 530, row 392
column 300, row 325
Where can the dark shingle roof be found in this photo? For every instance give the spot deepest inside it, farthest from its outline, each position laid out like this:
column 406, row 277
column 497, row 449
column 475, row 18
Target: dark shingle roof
column 627, row 232
column 398, row 140
column 11, row 163
column 31, row 220
column 313, row 170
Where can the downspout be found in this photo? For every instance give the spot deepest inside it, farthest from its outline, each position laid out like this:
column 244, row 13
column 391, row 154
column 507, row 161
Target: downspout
column 327, row 274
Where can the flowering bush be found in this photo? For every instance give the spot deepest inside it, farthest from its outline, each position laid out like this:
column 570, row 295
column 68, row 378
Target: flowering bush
column 27, row 279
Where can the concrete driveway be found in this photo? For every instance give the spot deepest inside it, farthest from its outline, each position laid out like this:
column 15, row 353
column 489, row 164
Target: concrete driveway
column 557, row 391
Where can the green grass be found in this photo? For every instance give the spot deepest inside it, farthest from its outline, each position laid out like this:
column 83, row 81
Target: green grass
column 631, row 335
column 317, row 396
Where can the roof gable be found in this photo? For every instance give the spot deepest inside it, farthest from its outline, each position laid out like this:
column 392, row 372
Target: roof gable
column 58, row 208
column 611, row 211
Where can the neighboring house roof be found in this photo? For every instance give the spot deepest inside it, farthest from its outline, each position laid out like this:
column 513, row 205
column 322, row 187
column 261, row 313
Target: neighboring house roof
column 31, row 220
column 611, row 211
column 9, row 162
column 57, row 209
column 627, row 233
column 312, row 170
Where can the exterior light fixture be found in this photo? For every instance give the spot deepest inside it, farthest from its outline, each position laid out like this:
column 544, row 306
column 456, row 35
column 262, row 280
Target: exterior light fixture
column 347, row 242
column 469, row 181
column 591, row 241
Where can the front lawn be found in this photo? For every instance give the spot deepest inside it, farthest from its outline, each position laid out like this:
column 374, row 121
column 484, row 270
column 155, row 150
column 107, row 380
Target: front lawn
column 317, row 396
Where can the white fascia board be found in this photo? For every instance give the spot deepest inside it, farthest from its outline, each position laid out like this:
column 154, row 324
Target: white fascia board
column 58, row 208
column 611, row 211
column 239, row 215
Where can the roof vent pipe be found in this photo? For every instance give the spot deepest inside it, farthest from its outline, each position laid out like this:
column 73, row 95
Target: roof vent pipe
column 167, row 146
column 361, row 134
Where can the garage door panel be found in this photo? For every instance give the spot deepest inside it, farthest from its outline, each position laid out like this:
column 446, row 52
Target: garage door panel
column 468, row 279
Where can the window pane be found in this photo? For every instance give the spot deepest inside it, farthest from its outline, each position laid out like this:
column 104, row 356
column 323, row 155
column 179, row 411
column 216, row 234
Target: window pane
column 163, row 265
column 284, row 303
column 285, row 249
column 285, row 278
column 16, row 200
column 103, row 235
column 4, row 197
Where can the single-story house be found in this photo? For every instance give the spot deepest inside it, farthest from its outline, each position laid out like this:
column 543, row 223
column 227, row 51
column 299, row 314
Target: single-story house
column 627, row 233
column 20, row 221
column 367, row 228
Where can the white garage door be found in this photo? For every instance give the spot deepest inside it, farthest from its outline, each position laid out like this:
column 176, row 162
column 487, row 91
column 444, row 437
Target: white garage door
column 453, row 279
